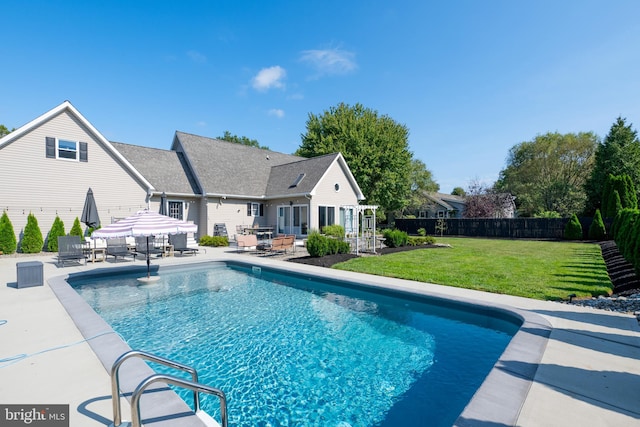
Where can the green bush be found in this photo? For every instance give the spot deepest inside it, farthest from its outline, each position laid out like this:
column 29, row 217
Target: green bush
column 395, row 238
column 76, row 229
column 422, row 231
column 215, row 241
column 596, row 229
column 317, row 244
column 421, row 240
column 32, row 241
column 336, row 246
column 334, row 230
column 8, row 242
column 573, row 229
column 57, row 229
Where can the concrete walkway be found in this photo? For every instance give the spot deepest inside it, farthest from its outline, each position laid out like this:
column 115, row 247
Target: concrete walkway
column 589, row 373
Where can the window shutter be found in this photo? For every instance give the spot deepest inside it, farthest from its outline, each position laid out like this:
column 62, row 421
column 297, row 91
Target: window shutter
column 248, row 209
column 50, row 147
column 83, row 152
column 261, row 209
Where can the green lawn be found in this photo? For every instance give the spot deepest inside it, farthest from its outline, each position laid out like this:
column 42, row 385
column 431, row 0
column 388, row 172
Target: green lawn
column 532, row 269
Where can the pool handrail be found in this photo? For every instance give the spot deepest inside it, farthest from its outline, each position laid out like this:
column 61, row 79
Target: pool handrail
column 179, row 382
column 115, row 379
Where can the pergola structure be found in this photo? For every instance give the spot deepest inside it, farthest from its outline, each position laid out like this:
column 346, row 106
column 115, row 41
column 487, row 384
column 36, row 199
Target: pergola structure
column 357, row 223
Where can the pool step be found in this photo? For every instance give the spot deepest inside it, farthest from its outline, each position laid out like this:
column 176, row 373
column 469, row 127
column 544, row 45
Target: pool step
column 193, row 385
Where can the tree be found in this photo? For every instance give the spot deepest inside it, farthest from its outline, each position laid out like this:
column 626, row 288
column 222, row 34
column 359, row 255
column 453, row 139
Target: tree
column 573, row 229
column 422, row 183
column 375, row 147
column 618, row 154
column 57, row 229
column 241, row 140
column 549, row 173
column 8, row 243
column 485, row 202
column 32, row 241
column 76, row 229
column 597, row 230
column 4, row 131
column 458, row 191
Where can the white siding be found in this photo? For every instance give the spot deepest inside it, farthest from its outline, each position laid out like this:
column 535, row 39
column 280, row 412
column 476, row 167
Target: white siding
column 47, row 187
column 326, row 195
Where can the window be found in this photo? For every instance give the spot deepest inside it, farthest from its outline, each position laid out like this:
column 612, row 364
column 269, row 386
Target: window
column 422, row 214
column 255, row 209
column 66, row 149
column 326, row 216
column 336, row 187
column 176, row 209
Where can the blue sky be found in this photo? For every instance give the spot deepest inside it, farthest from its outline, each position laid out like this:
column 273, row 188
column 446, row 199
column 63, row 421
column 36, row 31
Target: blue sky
column 470, row 79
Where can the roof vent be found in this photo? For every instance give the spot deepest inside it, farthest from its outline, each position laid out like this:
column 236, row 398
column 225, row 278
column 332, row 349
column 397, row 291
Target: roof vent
column 298, row 180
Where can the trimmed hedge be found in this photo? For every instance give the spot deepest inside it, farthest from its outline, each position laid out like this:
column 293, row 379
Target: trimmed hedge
column 597, row 230
column 215, row 241
column 319, row 245
column 395, row 238
column 8, row 242
column 626, row 234
column 421, row 240
column 57, row 229
column 32, row 241
column 573, row 229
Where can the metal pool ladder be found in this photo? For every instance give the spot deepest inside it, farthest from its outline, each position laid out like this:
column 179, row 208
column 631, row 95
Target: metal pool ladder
column 193, row 385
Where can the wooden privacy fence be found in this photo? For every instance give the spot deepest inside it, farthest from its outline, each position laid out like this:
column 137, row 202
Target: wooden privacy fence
column 515, row 228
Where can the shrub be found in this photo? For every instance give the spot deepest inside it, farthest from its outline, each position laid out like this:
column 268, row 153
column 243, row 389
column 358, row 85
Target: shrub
column 395, row 238
column 317, row 244
column 422, row 231
column 32, row 241
column 335, row 246
column 76, row 230
column 573, row 229
column 334, row 230
column 421, row 240
column 215, row 241
column 57, row 229
column 597, row 230
column 8, row 243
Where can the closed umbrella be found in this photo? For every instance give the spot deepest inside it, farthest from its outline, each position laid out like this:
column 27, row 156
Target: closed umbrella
column 90, row 212
column 163, row 204
column 145, row 223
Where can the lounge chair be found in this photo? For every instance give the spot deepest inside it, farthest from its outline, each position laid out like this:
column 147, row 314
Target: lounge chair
column 70, row 249
column 179, row 242
column 281, row 244
column 141, row 246
column 118, row 248
column 247, row 241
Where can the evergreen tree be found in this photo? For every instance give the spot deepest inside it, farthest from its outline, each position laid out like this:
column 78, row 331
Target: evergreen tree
column 8, row 243
column 57, row 229
column 32, row 241
column 618, row 154
column 597, row 230
column 573, row 229
column 617, row 205
column 76, row 230
column 632, row 196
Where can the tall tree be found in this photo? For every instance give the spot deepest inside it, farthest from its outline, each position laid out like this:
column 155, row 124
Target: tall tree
column 241, row 140
column 486, row 202
column 548, row 174
column 374, row 146
column 421, row 183
column 458, row 191
column 4, row 131
column 618, row 154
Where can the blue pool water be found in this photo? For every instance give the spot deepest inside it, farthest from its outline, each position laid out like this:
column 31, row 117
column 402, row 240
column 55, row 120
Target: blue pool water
column 291, row 352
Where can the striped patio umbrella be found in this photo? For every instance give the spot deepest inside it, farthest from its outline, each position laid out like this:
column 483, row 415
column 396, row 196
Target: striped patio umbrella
column 145, row 223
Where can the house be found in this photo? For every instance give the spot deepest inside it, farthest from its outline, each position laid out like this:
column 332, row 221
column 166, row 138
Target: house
column 441, row 205
column 47, row 166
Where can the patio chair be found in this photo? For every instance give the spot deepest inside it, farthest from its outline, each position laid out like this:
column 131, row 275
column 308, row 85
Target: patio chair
column 70, row 249
column 141, row 246
column 118, row 248
column 179, row 242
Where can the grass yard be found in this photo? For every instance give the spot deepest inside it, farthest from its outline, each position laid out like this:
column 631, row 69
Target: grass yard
column 531, row 269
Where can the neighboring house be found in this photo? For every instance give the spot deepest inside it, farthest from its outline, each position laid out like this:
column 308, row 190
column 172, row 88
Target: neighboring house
column 47, row 166
column 441, row 205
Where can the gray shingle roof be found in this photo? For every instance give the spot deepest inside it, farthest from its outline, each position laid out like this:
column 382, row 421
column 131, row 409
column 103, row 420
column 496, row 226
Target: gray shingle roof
column 284, row 176
column 229, row 168
column 165, row 169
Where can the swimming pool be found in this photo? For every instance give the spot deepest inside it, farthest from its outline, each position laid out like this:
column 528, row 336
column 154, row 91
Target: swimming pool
column 289, row 351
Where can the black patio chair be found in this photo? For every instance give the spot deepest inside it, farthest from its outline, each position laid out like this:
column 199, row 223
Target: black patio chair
column 118, row 248
column 141, row 246
column 70, row 249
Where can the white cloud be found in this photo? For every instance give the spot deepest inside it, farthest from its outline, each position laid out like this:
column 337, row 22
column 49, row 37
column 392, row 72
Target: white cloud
column 276, row 112
column 330, row 61
column 196, row 56
column 268, row 78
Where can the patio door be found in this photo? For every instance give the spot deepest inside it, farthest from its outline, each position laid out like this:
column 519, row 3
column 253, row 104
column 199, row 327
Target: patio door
column 293, row 219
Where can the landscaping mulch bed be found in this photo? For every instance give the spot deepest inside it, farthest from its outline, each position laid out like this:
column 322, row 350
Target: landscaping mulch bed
column 623, row 276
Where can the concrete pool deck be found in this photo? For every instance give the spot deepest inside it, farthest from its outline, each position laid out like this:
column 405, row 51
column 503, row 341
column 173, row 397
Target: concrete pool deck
column 589, row 373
